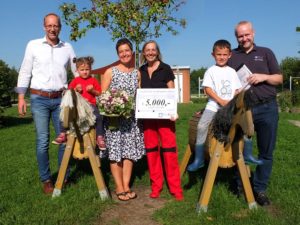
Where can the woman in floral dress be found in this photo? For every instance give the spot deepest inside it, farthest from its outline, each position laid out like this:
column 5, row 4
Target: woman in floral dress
column 125, row 145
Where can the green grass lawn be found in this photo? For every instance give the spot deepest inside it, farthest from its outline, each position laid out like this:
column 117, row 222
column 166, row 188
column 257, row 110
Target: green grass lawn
column 22, row 200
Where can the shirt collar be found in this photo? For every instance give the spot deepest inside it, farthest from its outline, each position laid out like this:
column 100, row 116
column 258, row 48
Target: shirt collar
column 160, row 66
column 60, row 43
column 240, row 50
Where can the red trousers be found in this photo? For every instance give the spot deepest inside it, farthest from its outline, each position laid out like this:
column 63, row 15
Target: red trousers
column 160, row 139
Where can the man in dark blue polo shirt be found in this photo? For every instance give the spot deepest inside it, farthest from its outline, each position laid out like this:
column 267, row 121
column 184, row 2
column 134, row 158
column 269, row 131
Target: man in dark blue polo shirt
column 265, row 77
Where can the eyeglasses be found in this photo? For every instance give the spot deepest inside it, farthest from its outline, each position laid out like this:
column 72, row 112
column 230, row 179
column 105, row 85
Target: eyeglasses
column 49, row 27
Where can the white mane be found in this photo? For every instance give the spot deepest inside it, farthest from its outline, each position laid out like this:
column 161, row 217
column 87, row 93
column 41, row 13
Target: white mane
column 86, row 117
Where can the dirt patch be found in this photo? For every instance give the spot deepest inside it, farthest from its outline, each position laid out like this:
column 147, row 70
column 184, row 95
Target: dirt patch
column 243, row 213
column 134, row 212
column 295, row 110
column 274, row 211
column 295, row 122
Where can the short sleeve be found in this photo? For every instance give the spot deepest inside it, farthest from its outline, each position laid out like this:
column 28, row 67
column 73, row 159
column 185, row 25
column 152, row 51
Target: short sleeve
column 272, row 63
column 96, row 85
column 73, row 84
column 207, row 79
column 169, row 74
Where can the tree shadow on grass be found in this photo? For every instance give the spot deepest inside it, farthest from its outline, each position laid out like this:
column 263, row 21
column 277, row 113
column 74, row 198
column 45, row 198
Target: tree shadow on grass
column 11, row 121
column 82, row 168
column 226, row 176
column 139, row 169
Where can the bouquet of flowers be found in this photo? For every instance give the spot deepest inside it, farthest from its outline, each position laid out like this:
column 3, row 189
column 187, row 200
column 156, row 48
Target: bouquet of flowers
column 115, row 103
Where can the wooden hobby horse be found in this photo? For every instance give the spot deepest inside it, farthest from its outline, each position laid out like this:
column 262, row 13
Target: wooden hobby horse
column 225, row 144
column 81, row 141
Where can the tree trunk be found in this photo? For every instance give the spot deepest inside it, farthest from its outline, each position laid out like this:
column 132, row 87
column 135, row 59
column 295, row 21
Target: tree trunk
column 137, row 56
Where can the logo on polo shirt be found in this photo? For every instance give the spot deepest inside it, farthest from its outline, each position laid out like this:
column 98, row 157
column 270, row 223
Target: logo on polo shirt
column 258, row 58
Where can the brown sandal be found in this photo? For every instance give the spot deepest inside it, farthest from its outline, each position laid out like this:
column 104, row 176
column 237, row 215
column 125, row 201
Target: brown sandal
column 121, row 196
column 131, row 194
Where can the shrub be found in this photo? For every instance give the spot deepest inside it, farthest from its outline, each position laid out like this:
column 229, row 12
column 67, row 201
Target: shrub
column 198, row 100
column 295, row 98
column 285, row 100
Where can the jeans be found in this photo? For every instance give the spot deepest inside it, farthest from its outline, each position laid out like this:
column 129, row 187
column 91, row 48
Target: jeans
column 99, row 121
column 43, row 109
column 265, row 119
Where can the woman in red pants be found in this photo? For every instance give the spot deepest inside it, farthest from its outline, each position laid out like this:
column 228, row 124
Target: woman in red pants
column 159, row 134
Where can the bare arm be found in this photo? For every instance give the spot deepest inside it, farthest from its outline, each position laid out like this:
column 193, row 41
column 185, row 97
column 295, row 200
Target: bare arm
column 139, row 78
column 22, row 105
column 171, row 84
column 106, row 79
column 215, row 97
column 237, row 91
column 92, row 90
column 274, row 79
column 96, row 93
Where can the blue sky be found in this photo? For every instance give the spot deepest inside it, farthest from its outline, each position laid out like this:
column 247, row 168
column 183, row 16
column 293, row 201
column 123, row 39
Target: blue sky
column 275, row 22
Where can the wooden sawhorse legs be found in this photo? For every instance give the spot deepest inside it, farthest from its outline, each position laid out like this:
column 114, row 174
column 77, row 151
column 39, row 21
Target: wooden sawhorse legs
column 211, row 175
column 94, row 161
column 185, row 160
column 202, row 204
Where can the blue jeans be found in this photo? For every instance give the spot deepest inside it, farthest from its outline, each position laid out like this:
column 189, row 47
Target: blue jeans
column 99, row 122
column 43, row 109
column 265, row 118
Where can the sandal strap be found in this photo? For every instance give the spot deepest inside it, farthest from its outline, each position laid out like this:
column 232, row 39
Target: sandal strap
column 121, row 194
column 130, row 192
column 124, row 195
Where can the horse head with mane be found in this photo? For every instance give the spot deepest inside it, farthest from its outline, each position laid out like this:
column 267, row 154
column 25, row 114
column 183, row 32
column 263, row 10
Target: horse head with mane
column 229, row 126
column 225, row 142
column 76, row 113
column 78, row 118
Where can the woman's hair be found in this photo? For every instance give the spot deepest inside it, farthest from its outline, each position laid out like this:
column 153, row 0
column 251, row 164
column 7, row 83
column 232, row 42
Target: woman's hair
column 89, row 60
column 123, row 41
column 159, row 55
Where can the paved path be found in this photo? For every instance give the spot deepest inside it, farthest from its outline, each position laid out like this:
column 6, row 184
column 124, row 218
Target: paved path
column 295, row 122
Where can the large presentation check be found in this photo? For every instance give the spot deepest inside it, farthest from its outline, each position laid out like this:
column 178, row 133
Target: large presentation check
column 156, row 103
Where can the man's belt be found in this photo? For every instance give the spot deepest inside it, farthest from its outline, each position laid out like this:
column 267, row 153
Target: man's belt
column 264, row 101
column 47, row 94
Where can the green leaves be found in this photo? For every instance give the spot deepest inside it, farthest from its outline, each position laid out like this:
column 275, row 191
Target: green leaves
column 136, row 20
column 8, row 80
column 290, row 67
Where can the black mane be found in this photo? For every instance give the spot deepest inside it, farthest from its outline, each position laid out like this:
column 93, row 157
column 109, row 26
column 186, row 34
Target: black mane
column 223, row 119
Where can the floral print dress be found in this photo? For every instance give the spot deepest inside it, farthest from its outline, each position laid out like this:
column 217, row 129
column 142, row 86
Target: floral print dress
column 126, row 142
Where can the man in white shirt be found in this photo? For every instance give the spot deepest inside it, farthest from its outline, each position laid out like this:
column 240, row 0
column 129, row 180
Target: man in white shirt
column 44, row 67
